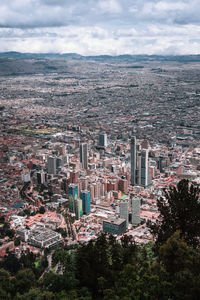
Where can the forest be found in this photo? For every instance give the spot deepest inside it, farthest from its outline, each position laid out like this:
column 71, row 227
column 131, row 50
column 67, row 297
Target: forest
column 167, row 268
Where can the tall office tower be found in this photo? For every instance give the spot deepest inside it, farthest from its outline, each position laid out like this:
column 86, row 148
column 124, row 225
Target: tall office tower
column 133, row 160
column 73, row 196
column 97, row 187
column 40, row 177
column 138, row 169
column 124, row 211
column 91, row 188
column 78, row 209
column 103, row 139
column 85, row 197
column 59, row 162
column 135, row 202
column 84, row 155
column 51, row 165
column 144, row 168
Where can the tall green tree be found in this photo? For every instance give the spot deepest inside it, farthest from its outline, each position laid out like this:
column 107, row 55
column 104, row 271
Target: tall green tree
column 179, row 211
column 11, row 263
column 25, row 279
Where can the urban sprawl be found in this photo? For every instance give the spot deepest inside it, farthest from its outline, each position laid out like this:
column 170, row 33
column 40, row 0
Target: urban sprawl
column 90, row 147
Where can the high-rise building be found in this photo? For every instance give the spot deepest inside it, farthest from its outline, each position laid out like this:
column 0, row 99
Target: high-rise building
column 124, row 211
column 91, row 187
column 135, row 202
column 145, row 170
column 84, row 155
column 85, row 197
column 59, row 162
column 78, row 209
column 51, row 165
column 73, row 196
column 140, row 171
column 103, row 139
column 40, row 177
column 133, row 160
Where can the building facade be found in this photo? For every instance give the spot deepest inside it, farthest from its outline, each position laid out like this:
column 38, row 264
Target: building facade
column 103, row 139
column 114, row 226
column 84, row 155
column 135, row 202
column 123, row 211
column 73, row 196
column 51, row 165
column 85, row 196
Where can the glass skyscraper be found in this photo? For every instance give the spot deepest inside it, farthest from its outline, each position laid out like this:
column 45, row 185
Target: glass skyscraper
column 73, row 196
column 85, row 196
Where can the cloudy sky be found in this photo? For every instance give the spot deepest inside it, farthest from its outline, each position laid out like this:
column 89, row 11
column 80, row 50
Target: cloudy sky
column 92, row 27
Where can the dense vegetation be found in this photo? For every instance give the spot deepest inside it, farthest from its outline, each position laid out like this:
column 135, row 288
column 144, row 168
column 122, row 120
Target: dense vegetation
column 110, row 270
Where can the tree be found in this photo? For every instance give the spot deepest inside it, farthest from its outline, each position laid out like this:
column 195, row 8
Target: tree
column 17, row 241
column 11, row 263
column 42, row 210
column 179, row 211
column 175, row 254
column 6, row 285
column 25, row 279
column 182, row 264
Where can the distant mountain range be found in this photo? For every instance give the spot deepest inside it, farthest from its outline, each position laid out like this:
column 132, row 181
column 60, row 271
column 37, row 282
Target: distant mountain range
column 16, row 63
column 125, row 57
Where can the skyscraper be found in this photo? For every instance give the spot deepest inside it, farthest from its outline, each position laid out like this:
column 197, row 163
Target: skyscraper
column 73, row 196
column 41, row 177
column 103, row 139
column 51, row 165
column 133, row 160
column 84, row 155
column 140, row 171
column 144, row 168
column 85, row 196
column 135, row 202
column 124, row 211
column 78, row 209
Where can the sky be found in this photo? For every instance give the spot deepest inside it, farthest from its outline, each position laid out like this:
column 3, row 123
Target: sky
column 95, row 27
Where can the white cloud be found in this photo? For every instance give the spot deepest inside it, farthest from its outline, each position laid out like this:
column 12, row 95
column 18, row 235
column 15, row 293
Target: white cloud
column 100, row 26
column 153, row 39
column 109, row 6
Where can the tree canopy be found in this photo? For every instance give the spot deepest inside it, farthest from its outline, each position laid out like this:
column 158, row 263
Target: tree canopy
column 179, row 211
